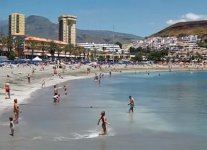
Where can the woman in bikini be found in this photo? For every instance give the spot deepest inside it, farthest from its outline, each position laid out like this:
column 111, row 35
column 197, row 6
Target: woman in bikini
column 104, row 122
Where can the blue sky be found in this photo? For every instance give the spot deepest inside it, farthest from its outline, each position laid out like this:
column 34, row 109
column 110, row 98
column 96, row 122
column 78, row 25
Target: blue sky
column 139, row 17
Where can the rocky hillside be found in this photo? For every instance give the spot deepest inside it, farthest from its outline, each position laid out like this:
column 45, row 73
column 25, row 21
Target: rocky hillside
column 185, row 28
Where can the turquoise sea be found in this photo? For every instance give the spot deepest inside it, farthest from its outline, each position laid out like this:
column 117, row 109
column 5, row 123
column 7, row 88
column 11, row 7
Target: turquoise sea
column 170, row 114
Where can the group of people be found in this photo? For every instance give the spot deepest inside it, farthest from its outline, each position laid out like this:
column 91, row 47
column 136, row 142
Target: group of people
column 103, row 118
column 15, row 119
column 56, row 96
column 98, row 78
column 16, row 110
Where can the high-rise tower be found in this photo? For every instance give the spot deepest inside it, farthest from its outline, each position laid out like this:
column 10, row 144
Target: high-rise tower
column 67, row 29
column 16, row 24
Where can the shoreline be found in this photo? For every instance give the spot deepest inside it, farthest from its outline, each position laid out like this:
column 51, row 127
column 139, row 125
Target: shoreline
column 22, row 90
column 19, row 85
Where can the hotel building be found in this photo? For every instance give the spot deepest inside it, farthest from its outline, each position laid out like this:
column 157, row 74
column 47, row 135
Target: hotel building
column 67, row 29
column 16, row 24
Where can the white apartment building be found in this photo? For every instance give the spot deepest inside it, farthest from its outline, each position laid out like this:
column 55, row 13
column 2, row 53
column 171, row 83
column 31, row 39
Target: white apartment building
column 108, row 48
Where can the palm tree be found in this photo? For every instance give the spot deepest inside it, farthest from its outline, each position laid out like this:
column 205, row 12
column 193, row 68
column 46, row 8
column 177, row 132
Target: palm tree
column 1, row 48
column 66, row 49
column 93, row 54
column 77, row 50
column 88, row 54
column 17, row 47
column 2, row 43
column 84, row 53
column 43, row 48
column 52, row 48
column 80, row 50
column 59, row 50
column 32, row 46
column 71, row 49
column 9, row 43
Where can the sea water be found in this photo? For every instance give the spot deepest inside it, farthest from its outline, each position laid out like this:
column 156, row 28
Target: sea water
column 170, row 113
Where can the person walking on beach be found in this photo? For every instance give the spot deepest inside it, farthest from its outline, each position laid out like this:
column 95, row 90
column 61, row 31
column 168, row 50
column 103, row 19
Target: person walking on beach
column 99, row 80
column 54, row 71
column 65, row 89
column 55, row 90
column 96, row 77
column 43, row 83
column 28, row 78
column 16, row 111
column 55, row 97
column 104, row 122
column 11, row 125
column 131, row 104
column 7, row 90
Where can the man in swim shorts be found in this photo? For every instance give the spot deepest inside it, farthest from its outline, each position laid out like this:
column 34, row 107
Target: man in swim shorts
column 131, row 104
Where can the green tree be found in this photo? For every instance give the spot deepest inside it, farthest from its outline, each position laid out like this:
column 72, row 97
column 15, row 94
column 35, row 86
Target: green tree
column 32, row 46
column 66, row 50
column 94, row 52
column 59, row 50
column 78, row 50
column 101, row 58
column 84, row 53
column 203, row 43
column 52, row 49
column 43, row 47
column 107, row 57
column 3, row 43
column 17, row 47
column 71, row 49
column 9, row 43
column 132, row 50
column 81, row 51
column 157, row 55
column 120, row 45
column 138, row 57
column 11, row 55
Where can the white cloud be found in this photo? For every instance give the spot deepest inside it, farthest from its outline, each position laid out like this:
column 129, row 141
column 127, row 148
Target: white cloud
column 187, row 17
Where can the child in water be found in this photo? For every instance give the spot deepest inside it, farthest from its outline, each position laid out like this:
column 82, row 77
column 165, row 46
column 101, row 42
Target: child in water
column 56, row 98
column 104, row 122
column 11, row 125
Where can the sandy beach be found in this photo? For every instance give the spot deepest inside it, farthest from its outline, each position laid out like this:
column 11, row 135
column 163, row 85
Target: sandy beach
column 46, row 125
column 16, row 76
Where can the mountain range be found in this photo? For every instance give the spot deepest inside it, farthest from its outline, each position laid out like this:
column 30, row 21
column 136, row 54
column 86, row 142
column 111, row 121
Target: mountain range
column 42, row 27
